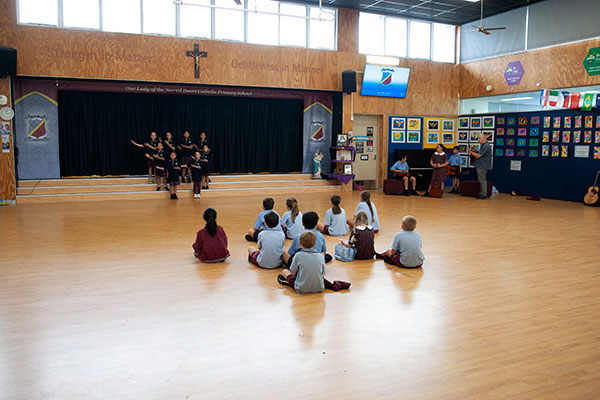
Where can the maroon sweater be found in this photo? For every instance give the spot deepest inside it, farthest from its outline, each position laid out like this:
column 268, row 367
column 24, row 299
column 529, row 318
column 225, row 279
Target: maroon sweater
column 211, row 248
column 364, row 242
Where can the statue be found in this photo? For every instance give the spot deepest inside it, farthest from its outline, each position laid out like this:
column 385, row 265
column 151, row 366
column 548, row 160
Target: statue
column 317, row 164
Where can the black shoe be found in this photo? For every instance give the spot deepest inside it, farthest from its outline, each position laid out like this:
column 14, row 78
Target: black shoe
column 175, row 197
column 250, row 238
column 406, row 193
column 481, row 197
column 249, row 258
column 166, row 188
column 158, row 188
column 414, row 193
column 426, row 194
column 172, row 196
column 282, row 281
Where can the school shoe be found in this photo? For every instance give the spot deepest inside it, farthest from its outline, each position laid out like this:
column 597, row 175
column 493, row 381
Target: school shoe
column 379, row 256
column 250, row 238
column 426, row 194
column 414, row 193
column 481, row 197
column 406, row 193
column 282, row 281
column 158, row 188
column 172, row 196
column 175, row 197
column 340, row 285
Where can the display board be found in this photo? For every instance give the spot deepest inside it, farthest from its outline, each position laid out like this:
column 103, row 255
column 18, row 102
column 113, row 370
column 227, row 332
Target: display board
column 439, row 130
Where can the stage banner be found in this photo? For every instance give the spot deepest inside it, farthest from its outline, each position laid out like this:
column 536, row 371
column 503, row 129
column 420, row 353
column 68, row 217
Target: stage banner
column 36, row 129
column 318, row 120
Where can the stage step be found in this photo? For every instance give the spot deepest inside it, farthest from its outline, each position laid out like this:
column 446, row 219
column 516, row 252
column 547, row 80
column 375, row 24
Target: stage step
column 135, row 188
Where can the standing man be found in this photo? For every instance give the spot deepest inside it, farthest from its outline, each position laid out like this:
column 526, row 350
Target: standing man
column 483, row 163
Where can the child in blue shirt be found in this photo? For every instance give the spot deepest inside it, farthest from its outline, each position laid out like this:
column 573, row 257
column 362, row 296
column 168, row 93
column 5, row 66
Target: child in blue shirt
column 308, row 267
column 335, row 219
column 270, row 245
column 309, row 221
column 291, row 221
column 259, row 224
column 368, row 207
column 406, row 248
column 454, row 170
column 401, row 172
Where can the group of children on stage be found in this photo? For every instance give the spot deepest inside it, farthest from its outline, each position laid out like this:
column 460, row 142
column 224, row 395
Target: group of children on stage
column 307, row 254
column 172, row 164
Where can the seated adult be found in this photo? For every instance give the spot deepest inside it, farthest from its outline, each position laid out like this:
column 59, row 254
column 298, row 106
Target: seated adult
column 401, row 172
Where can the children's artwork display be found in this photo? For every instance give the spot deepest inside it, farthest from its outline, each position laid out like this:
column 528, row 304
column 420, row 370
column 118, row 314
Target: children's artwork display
column 510, row 131
column 432, row 124
column 463, row 137
column 535, row 120
column 500, row 120
column 414, row 124
column 589, row 121
column 587, row 137
column 564, row 151
column 556, row 123
column 555, row 151
column 534, row 132
column 401, row 136
column 546, row 137
column 433, row 138
column 522, row 120
column 568, row 122
column 576, row 136
column 475, row 123
column 398, row 137
column 474, row 136
column 522, row 132
column 413, row 137
column 545, row 150
column 500, row 131
column 547, row 122
column 566, row 137
column 463, row 148
column 521, row 142
column 399, row 123
column 464, row 161
column 597, row 153
column 510, row 152
column 533, row 143
column 448, row 125
column 448, row 139
column 488, row 122
column 555, row 136
column 439, row 130
column 463, row 123
column 533, row 153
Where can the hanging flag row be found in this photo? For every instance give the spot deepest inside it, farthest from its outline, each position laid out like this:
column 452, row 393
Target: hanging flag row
column 573, row 100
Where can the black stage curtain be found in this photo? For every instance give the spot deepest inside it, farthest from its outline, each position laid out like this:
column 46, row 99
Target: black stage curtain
column 245, row 134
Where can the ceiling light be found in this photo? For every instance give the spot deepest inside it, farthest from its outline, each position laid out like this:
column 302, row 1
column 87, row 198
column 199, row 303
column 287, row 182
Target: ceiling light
column 380, row 60
column 517, row 98
column 472, row 1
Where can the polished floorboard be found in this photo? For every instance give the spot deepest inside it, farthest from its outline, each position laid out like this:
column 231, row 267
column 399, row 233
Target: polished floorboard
column 104, row 300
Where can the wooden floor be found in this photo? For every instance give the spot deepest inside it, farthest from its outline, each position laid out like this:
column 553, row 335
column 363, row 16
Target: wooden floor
column 104, row 300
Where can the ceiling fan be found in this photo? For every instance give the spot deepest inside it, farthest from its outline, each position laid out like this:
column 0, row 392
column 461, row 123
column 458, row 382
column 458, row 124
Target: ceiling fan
column 480, row 28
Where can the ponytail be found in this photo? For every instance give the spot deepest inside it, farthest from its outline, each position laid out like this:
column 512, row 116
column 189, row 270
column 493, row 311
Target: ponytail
column 335, row 201
column 210, row 216
column 292, row 204
column 366, row 196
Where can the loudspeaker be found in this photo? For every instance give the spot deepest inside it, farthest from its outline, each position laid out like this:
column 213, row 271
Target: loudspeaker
column 8, row 61
column 349, row 81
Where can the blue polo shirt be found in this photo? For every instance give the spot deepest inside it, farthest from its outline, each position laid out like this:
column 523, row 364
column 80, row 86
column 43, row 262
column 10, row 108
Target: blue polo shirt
column 319, row 247
column 260, row 221
column 309, row 267
column 270, row 243
column 336, row 223
column 454, row 160
column 408, row 244
column 401, row 166
column 293, row 228
column 373, row 219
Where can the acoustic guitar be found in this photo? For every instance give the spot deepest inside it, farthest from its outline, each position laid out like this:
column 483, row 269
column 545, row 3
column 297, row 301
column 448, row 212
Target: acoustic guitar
column 592, row 198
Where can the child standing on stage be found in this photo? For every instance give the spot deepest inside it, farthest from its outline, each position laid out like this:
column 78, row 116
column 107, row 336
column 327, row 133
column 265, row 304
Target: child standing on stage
column 455, row 169
column 406, row 248
column 187, row 147
column 368, row 207
column 310, row 220
column 206, row 166
column 173, row 171
column 169, row 144
column 259, row 224
column 203, row 142
column 306, row 274
column 159, row 165
column 150, row 147
column 211, row 241
column 335, row 219
column 196, row 166
column 362, row 238
column 270, row 245
column 291, row 222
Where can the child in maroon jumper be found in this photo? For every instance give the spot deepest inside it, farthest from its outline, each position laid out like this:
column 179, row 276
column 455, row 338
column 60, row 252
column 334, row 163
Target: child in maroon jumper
column 362, row 237
column 211, row 241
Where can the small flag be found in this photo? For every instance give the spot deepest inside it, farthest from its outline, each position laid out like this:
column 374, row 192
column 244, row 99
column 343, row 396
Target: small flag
column 544, row 97
column 588, row 101
column 571, row 99
column 554, row 98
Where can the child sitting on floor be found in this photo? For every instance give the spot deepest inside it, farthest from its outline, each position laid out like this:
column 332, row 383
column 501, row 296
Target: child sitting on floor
column 259, row 224
column 306, row 272
column 211, row 241
column 335, row 219
column 406, row 248
column 270, row 245
column 291, row 221
column 361, row 243
column 309, row 220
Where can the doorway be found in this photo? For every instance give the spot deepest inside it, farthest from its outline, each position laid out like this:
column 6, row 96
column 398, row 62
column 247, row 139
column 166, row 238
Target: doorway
column 366, row 136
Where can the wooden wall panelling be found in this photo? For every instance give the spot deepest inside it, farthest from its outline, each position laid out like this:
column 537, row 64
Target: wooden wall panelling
column 553, row 67
column 348, row 30
column 7, row 164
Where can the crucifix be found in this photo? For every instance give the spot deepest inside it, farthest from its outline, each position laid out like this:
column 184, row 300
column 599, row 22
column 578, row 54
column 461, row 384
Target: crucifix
column 197, row 54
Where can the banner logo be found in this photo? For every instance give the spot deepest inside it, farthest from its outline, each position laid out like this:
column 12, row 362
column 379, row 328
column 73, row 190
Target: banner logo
column 317, row 131
column 36, row 126
column 386, row 76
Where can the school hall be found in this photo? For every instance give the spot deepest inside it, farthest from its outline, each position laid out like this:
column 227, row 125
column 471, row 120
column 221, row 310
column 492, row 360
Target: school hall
column 128, row 125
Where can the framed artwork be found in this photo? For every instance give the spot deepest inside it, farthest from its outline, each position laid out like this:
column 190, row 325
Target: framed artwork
column 463, row 123
column 499, row 152
column 474, row 147
column 342, row 140
column 475, row 122
column 432, row 137
column 598, row 122
column 578, row 121
column 489, row 135
column 597, row 137
column 555, row 151
column 597, row 153
column 488, row 122
column 589, row 121
column 447, row 138
column 474, row 136
column 535, row 120
column 463, row 148
column 511, row 121
column 546, row 137
column 545, row 150
column 413, row 137
column 463, row 136
column 556, row 122
column 398, row 137
column 464, row 161
column 522, row 120
column 398, row 123
column 521, row 142
column 533, row 153
column 521, row 153
column 522, row 132
column 566, row 137
column 587, row 137
column 433, row 124
column 500, row 131
column 448, row 125
column 555, row 136
column 567, row 123
column 414, row 123
column 347, row 169
column 510, row 141
column 509, row 152
column 576, row 136
column 534, row 132
column 500, row 120
column 499, row 141
column 546, row 122
column 533, row 143
column 510, row 131
column 564, row 151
